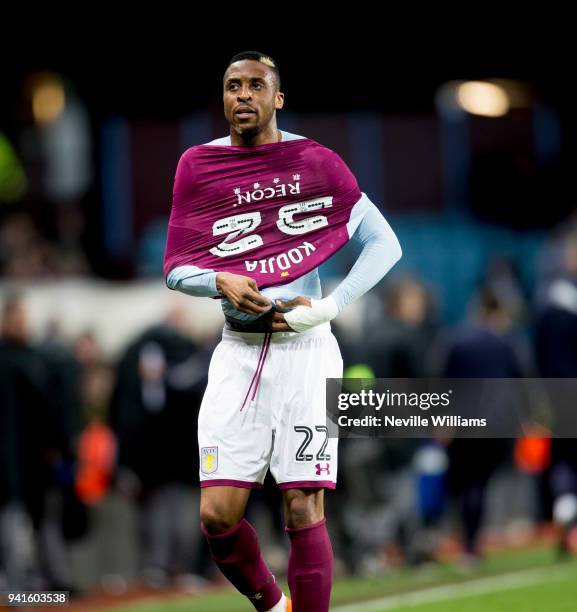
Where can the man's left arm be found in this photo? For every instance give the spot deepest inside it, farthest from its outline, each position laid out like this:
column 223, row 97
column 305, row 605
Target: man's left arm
column 381, row 250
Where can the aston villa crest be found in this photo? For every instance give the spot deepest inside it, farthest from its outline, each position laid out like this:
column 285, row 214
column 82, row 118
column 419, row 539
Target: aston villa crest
column 208, row 459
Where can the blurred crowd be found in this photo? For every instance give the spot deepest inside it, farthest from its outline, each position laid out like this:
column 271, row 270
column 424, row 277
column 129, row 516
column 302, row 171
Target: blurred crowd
column 99, row 463
column 28, row 252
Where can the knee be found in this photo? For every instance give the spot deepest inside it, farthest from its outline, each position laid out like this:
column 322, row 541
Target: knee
column 303, row 509
column 217, row 518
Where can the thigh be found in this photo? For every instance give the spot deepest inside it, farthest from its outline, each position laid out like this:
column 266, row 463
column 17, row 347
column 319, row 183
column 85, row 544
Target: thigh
column 234, row 445
column 303, row 454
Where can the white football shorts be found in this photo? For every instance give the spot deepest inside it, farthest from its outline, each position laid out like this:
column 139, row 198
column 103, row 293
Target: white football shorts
column 264, row 406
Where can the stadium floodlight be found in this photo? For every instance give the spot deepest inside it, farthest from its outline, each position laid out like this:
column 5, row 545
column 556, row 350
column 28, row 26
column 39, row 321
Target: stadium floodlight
column 483, row 98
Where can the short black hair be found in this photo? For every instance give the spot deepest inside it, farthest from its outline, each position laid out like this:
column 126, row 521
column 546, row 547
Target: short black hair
column 489, row 301
column 257, row 56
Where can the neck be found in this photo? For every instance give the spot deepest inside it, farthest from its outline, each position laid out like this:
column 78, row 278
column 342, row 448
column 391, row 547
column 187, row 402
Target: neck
column 250, row 138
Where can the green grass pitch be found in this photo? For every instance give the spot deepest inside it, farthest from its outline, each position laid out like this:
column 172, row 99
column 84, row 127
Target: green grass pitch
column 520, row 581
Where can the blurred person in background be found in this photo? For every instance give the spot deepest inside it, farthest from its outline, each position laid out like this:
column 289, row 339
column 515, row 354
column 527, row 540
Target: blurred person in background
column 395, row 345
column 44, row 181
column 24, row 252
column 552, row 261
column 153, row 412
column 35, row 458
column 556, row 322
column 107, row 553
column 556, row 347
column 88, row 351
column 502, row 278
column 55, row 144
column 65, row 380
column 481, row 348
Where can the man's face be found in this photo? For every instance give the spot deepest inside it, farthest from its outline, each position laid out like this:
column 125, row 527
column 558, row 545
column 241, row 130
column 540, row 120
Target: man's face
column 250, row 96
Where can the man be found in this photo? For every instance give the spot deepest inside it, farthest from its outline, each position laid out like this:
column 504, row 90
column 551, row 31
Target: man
column 264, row 405
column 481, row 348
column 556, row 352
column 159, row 385
column 37, row 394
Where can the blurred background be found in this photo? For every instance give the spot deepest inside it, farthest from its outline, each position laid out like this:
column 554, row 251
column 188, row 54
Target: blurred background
column 102, row 368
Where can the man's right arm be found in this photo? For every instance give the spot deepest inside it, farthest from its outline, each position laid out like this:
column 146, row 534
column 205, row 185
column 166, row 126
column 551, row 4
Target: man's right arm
column 193, row 281
column 241, row 291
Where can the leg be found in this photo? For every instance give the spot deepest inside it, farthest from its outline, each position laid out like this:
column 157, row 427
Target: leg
column 221, row 508
column 310, row 570
column 303, row 507
column 157, row 519
column 234, row 545
column 472, row 508
column 16, row 545
column 304, row 462
column 235, row 448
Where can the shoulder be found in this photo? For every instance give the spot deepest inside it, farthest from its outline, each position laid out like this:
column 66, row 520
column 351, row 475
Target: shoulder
column 323, row 153
column 286, row 136
column 328, row 161
column 189, row 154
column 187, row 170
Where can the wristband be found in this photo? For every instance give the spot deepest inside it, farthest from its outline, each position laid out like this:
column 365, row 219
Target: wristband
column 302, row 318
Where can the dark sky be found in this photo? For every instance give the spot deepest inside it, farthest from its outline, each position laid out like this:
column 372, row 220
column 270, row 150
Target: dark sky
column 163, row 63
column 390, row 66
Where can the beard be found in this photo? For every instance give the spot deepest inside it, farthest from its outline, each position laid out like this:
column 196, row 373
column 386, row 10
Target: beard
column 248, row 133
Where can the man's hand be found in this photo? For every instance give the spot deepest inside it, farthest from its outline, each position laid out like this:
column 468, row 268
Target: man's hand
column 308, row 313
column 242, row 292
column 278, row 321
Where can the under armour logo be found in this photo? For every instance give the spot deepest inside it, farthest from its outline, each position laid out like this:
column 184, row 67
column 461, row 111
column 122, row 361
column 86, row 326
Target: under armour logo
column 258, row 596
column 320, row 469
